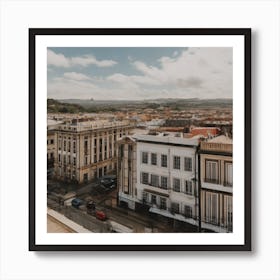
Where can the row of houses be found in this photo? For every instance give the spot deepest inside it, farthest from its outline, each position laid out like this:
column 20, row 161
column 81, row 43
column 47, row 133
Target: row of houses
column 183, row 179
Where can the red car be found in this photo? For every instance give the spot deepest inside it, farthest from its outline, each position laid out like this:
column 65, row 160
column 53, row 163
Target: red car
column 100, row 215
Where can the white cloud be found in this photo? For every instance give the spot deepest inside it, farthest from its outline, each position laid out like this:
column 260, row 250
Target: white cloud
column 76, row 76
column 195, row 72
column 202, row 70
column 70, row 88
column 91, row 60
column 123, row 81
column 132, row 79
column 59, row 60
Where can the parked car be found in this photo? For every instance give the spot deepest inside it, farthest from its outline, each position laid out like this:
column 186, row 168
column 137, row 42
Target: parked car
column 90, row 207
column 100, row 215
column 76, row 202
column 109, row 181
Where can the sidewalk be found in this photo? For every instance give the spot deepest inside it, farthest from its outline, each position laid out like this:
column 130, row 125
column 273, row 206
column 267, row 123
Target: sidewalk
column 70, row 224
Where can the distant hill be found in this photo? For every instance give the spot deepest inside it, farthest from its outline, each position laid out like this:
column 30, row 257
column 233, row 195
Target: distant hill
column 94, row 106
column 55, row 106
column 162, row 101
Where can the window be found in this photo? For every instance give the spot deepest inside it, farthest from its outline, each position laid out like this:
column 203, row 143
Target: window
column 64, row 145
column 228, row 212
column 162, row 203
column 228, row 173
column 188, row 211
column 229, row 221
column 121, row 151
column 100, row 172
column 100, row 149
column 86, row 147
column 69, row 146
column 145, row 178
column 211, row 207
column 163, row 182
column 164, row 160
column 105, row 148
column 110, row 146
column 154, row 180
column 154, row 159
column 74, row 147
column 69, row 159
column 176, row 162
column 175, row 208
column 176, row 184
column 144, row 157
column 59, row 158
column 85, row 177
column 145, row 197
column 74, row 161
column 52, row 141
column 211, row 174
column 153, row 199
column 189, row 188
column 188, row 164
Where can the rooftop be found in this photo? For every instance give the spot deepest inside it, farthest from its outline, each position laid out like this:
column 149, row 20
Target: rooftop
column 218, row 144
column 92, row 125
column 167, row 138
column 221, row 139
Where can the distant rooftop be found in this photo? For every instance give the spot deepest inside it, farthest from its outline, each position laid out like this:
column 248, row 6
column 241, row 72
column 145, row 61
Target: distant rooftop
column 218, row 144
column 221, row 139
column 92, row 125
column 53, row 122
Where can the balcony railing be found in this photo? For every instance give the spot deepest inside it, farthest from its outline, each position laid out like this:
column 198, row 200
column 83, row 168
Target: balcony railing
column 220, row 147
column 212, row 181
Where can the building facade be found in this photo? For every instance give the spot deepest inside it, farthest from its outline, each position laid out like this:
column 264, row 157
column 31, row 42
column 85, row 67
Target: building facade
column 87, row 150
column 165, row 176
column 51, row 148
column 127, row 172
column 216, row 184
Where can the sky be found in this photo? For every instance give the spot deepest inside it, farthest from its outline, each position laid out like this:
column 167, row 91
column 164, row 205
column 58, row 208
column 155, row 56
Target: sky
column 134, row 73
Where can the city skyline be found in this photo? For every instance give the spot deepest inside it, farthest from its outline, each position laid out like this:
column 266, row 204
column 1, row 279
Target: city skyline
column 139, row 73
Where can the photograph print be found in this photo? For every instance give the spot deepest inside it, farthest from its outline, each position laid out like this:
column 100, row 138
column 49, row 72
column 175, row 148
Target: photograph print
column 135, row 134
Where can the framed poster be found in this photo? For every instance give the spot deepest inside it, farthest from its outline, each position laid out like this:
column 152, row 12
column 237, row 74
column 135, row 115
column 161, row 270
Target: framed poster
column 133, row 131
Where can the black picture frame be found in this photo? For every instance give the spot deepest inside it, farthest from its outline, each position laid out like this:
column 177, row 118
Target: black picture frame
column 245, row 32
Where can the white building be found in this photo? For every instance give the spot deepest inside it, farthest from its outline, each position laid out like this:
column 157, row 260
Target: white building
column 85, row 150
column 166, row 177
column 126, row 172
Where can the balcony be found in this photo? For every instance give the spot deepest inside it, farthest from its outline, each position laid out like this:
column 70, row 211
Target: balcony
column 216, row 187
column 216, row 147
column 212, row 181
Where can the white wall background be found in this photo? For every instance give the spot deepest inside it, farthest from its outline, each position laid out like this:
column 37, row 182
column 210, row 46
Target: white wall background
column 17, row 262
